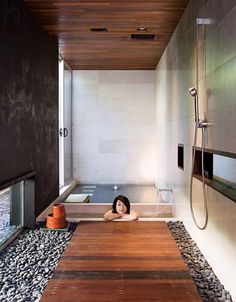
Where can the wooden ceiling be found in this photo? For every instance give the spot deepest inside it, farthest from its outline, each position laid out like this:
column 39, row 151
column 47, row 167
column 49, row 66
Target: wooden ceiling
column 70, row 22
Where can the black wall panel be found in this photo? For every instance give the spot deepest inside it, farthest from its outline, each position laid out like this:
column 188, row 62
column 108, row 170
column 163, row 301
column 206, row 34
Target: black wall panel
column 28, row 101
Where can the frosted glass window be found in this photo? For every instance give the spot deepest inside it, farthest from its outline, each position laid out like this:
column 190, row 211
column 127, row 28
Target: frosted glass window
column 224, row 167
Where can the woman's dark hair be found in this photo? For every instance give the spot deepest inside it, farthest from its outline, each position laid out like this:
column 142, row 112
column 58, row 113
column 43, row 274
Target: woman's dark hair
column 124, row 199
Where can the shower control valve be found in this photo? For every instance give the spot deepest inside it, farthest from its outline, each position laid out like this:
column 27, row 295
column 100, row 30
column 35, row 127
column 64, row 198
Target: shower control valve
column 204, row 124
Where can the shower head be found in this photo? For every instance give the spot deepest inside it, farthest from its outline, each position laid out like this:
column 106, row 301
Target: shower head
column 193, row 91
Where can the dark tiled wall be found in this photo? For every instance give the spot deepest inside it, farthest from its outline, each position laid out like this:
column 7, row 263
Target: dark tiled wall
column 28, row 101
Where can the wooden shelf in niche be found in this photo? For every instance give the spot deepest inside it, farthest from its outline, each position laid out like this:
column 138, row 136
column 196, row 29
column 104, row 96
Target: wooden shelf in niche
column 181, row 156
column 221, row 185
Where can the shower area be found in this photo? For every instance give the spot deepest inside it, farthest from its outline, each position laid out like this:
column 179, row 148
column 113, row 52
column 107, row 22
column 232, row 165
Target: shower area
column 201, row 55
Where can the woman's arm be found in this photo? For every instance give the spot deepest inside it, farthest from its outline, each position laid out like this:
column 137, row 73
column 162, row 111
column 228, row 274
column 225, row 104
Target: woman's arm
column 131, row 216
column 111, row 216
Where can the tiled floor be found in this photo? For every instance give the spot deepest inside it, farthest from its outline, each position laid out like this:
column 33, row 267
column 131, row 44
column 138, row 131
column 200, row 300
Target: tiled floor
column 106, row 193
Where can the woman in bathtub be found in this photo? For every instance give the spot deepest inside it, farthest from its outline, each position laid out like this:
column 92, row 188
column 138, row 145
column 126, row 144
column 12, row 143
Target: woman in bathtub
column 121, row 210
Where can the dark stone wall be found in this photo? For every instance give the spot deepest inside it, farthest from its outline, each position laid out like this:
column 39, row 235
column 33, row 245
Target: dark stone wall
column 28, row 101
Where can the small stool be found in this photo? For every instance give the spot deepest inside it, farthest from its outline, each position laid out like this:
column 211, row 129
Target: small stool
column 161, row 196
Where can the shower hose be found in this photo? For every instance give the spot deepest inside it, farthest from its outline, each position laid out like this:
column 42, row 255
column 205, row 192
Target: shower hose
column 201, row 227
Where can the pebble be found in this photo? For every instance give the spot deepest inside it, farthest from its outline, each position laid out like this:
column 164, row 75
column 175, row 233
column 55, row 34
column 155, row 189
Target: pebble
column 208, row 285
column 28, row 263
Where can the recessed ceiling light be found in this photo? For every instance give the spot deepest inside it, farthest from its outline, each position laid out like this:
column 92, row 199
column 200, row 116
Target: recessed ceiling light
column 142, row 29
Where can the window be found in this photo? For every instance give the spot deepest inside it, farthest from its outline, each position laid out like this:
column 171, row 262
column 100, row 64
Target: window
column 11, row 211
column 224, row 169
column 219, row 171
column 17, row 205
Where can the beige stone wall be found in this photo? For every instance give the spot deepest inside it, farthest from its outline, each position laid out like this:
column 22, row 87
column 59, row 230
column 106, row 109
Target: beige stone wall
column 175, row 73
column 114, row 126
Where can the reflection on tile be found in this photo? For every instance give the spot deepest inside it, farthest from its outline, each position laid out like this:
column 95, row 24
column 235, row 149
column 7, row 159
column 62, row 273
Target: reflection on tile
column 229, row 36
column 112, row 146
column 112, row 89
column 85, row 76
column 130, row 77
column 217, row 11
column 214, row 50
column 85, row 146
column 229, row 126
column 89, row 186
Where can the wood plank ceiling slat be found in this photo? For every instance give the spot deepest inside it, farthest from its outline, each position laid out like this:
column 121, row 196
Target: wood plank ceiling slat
column 70, row 22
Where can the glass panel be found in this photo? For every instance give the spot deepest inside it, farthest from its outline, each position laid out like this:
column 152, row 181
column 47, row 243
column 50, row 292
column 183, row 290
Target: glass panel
column 67, row 124
column 224, row 168
column 60, row 119
column 11, row 210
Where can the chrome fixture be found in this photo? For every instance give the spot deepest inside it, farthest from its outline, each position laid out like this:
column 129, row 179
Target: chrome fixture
column 162, row 197
column 200, row 124
column 204, row 21
column 193, row 92
column 203, row 125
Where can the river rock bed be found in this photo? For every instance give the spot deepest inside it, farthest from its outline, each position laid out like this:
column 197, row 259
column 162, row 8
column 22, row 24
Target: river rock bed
column 6, row 232
column 208, row 285
column 28, row 263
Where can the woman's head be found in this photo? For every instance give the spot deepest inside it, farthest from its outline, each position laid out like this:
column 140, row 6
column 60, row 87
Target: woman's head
column 121, row 205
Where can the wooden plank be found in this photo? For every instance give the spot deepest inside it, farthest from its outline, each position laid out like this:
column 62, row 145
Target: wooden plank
column 121, row 261
column 71, row 18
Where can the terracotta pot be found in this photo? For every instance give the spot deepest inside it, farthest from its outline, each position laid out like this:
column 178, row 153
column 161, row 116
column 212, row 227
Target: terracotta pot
column 59, row 210
column 55, row 222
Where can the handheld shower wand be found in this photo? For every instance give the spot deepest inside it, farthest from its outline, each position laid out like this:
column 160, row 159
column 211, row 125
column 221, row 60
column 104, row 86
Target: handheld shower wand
column 193, row 92
column 203, row 125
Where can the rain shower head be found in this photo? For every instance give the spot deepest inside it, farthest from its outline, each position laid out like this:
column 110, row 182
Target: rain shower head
column 193, row 91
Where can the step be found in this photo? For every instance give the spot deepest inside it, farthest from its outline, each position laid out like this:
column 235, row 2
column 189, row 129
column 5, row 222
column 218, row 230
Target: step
column 143, row 209
column 72, row 216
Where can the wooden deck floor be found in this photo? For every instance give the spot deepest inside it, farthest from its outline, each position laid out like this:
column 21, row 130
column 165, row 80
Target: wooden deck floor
column 121, row 261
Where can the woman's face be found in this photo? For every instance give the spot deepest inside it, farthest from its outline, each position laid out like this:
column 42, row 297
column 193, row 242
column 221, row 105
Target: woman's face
column 120, row 207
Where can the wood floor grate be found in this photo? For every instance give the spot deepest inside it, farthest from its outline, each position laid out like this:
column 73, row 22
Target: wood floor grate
column 121, row 261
